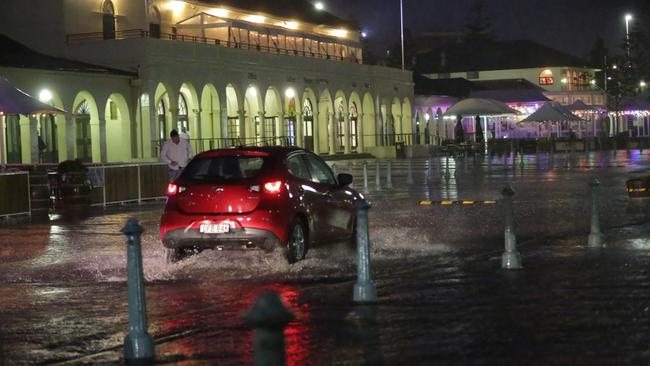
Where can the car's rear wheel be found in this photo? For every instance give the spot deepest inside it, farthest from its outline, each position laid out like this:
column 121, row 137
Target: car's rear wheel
column 297, row 244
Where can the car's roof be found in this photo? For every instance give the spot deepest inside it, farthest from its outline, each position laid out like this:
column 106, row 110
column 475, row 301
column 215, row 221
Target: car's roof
column 270, row 150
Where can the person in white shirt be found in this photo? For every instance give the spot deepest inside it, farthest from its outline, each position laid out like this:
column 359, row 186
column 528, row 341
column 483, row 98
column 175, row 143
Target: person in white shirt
column 185, row 135
column 176, row 153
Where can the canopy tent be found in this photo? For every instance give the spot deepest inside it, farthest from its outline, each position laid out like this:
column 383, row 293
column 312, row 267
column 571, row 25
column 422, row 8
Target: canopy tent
column 552, row 112
column 579, row 105
column 16, row 101
column 479, row 107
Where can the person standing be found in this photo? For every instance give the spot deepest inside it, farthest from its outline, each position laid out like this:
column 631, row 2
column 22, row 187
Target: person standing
column 176, row 153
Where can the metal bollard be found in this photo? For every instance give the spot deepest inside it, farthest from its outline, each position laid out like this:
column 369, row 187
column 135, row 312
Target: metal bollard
column 268, row 317
column 365, row 177
column 138, row 344
column 377, row 175
column 389, row 175
column 510, row 258
column 409, row 177
column 364, row 289
column 595, row 236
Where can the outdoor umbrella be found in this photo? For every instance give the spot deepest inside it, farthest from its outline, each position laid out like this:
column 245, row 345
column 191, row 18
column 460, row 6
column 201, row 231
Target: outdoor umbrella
column 16, row 101
column 551, row 112
column 480, row 107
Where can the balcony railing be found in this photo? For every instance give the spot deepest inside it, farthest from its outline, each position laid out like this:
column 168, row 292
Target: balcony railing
column 138, row 33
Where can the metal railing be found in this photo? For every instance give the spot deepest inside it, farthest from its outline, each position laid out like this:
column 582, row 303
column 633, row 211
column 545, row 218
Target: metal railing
column 14, row 194
column 113, row 184
column 206, row 144
column 139, row 33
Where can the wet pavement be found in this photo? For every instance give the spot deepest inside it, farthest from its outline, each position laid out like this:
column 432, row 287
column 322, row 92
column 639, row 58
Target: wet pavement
column 443, row 298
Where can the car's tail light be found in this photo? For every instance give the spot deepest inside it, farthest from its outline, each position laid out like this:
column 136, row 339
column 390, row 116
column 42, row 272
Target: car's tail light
column 173, row 188
column 273, row 187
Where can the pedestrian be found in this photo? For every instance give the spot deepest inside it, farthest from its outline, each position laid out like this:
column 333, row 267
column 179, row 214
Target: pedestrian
column 185, row 135
column 176, row 153
column 42, row 146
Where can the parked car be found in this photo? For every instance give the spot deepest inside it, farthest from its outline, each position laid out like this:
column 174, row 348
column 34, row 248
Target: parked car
column 258, row 197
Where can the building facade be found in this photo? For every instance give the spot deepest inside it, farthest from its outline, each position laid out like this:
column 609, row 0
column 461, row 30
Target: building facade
column 229, row 74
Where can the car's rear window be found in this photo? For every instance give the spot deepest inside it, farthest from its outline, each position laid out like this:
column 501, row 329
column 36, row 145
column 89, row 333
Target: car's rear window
column 223, row 168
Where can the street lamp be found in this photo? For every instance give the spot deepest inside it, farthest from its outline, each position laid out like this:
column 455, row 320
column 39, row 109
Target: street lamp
column 628, row 18
column 401, row 17
column 319, row 6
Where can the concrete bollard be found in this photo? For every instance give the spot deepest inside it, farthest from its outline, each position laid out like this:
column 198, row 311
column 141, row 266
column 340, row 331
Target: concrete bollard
column 595, row 236
column 510, row 258
column 377, row 175
column 365, row 178
column 268, row 317
column 389, row 175
column 138, row 344
column 364, row 289
column 409, row 176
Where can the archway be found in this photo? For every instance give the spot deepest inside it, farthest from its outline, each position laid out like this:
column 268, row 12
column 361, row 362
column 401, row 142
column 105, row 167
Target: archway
column 253, row 131
column 235, row 116
column 309, row 135
column 119, row 144
column 324, row 123
column 274, row 128
column 86, row 128
column 354, row 138
column 341, row 127
column 210, row 118
column 291, row 111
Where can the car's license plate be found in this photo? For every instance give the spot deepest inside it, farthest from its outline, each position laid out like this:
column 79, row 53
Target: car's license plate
column 214, row 228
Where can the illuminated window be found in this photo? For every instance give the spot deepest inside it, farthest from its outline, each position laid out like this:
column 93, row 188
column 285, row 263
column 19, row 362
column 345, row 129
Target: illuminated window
column 546, row 77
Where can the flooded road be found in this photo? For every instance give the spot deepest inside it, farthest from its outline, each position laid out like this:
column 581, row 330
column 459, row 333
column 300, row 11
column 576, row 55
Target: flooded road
column 443, row 298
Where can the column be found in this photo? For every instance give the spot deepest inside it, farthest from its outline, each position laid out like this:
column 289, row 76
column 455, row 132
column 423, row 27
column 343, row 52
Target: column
column 360, row 144
column 222, row 124
column 102, row 140
column 263, row 133
column 33, row 140
column 3, row 156
column 174, row 122
column 316, row 130
column 70, row 136
column 242, row 126
column 346, row 133
column 300, row 138
column 150, row 136
column 332, row 133
column 198, row 131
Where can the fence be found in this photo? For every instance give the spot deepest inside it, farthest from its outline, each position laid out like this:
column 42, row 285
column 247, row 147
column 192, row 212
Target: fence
column 14, row 194
column 127, row 183
column 138, row 33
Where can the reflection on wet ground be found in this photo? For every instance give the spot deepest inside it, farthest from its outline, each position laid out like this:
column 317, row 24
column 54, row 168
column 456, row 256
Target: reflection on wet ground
column 443, row 297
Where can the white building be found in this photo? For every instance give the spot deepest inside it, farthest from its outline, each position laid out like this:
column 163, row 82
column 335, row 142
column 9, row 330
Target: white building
column 241, row 72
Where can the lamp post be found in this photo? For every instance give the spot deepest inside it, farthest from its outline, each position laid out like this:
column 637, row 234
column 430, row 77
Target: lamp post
column 401, row 19
column 628, row 18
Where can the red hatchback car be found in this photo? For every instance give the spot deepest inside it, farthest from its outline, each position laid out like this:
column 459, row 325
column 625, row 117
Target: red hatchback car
column 257, row 197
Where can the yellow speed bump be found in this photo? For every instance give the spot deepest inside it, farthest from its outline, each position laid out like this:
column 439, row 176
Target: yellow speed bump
column 460, row 203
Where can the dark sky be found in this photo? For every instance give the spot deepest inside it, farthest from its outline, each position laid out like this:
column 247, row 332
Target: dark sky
column 568, row 25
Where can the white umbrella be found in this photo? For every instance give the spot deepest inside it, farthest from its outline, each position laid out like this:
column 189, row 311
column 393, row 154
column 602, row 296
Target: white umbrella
column 551, row 112
column 479, row 107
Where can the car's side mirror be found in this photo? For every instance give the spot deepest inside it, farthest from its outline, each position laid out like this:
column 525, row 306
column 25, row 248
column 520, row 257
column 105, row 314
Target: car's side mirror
column 344, row 179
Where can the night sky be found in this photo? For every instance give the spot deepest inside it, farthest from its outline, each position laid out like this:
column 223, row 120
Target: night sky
column 568, row 25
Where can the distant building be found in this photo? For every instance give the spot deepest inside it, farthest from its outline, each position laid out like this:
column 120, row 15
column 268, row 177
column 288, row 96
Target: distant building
column 232, row 72
column 564, row 78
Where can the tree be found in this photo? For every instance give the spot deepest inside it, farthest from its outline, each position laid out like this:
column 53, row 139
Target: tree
column 599, row 58
column 479, row 26
column 394, row 53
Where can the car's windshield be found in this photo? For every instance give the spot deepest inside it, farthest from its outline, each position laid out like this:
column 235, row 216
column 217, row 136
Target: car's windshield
column 223, row 168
